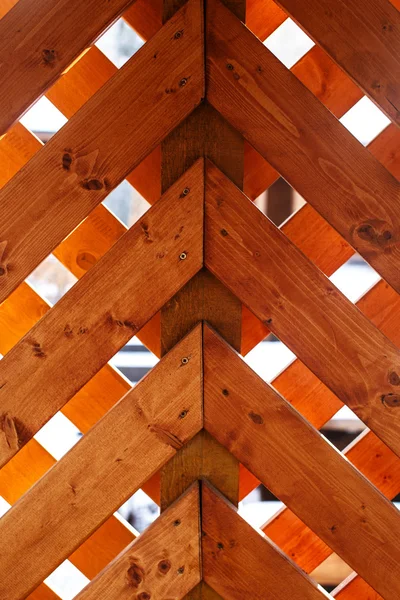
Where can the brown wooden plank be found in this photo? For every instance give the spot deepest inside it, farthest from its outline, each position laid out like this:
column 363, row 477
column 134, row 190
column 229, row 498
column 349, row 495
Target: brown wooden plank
column 343, row 349
column 377, row 40
column 68, row 177
column 322, row 160
column 238, row 562
column 303, row 470
column 145, row 17
column 38, row 42
column 164, row 562
column 136, row 437
column 102, row 311
column 263, row 17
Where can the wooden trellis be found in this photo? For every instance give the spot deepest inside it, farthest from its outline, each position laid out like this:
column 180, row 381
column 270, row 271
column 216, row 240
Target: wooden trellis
column 191, row 121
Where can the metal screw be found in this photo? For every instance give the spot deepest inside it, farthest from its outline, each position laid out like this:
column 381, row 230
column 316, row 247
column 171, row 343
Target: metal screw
column 178, row 35
column 182, row 256
column 185, row 192
column 185, row 360
column 183, row 414
column 183, row 82
column 230, row 67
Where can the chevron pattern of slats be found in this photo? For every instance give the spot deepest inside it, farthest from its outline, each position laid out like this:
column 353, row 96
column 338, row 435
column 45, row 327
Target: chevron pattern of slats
column 202, row 235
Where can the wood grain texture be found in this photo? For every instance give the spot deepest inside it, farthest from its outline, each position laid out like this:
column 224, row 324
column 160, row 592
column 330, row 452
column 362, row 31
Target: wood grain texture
column 303, row 470
column 145, row 17
column 102, row 312
column 122, row 123
column 38, row 42
column 238, row 562
column 136, row 437
column 164, row 562
column 43, row 593
column 342, row 348
column 353, row 588
column 363, row 38
column 321, row 159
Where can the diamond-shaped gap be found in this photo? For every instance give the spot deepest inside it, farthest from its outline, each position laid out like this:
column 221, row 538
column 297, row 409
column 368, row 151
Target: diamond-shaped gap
column 139, row 511
column 44, row 119
column 354, row 278
column 51, row 279
column 289, row 43
column 134, row 360
column 119, row 43
column 365, row 121
column 66, row 581
column 279, row 202
column 126, row 203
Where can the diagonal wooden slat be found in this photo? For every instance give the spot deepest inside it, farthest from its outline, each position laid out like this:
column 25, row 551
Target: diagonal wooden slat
column 136, row 437
column 238, row 562
column 302, row 307
column 120, row 125
column 363, row 38
column 43, row 593
column 164, row 562
column 302, row 469
column 38, row 42
column 102, row 311
column 321, row 159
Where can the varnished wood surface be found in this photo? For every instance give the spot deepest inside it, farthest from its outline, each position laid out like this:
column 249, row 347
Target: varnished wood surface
column 363, row 37
column 238, row 562
column 302, row 469
column 164, row 562
column 343, row 349
column 95, row 319
column 39, row 41
column 138, row 435
column 100, row 145
column 321, row 159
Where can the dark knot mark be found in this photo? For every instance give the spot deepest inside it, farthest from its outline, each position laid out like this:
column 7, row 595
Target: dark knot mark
column 85, row 260
column 333, row 528
column 49, row 56
column 391, row 400
column 135, row 573
column 177, row 522
column 181, row 570
column 394, row 379
column 2, row 271
column 369, row 233
column 164, row 566
column 14, row 430
column 225, row 392
column 68, row 331
column 66, row 161
column 257, row 419
column 143, row 596
column 145, row 229
column 224, row 232
column 92, row 184
column 37, row 350
column 220, row 546
column 166, row 436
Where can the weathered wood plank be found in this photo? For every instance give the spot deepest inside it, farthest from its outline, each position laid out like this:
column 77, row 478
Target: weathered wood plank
column 363, row 38
column 343, row 349
column 38, row 42
column 322, row 160
column 102, row 312
column 164, row 562
column 238, row 562
column 303, row 470
column 136, row 437
column 68, row 177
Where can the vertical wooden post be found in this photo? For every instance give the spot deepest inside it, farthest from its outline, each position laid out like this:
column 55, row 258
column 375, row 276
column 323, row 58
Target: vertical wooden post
column 204, row 133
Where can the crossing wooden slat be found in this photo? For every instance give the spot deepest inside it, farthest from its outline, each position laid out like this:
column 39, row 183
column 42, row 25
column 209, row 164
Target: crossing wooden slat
column 339, row 344
column 321, row 159
column 145, row 17
column 38, row 42
column 43, row 593
column 263, row 17
column 303, row 470
column 353, row 588
column 363, row 38
column 238, row 562
column 95, row 319
column 122, row 123
column 164, row 562
column 136, row 437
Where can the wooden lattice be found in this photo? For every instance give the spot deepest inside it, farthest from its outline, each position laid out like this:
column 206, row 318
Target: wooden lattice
column 191, row 121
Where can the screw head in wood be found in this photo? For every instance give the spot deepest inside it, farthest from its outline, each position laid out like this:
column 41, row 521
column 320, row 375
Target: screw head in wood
column 183, row 82
column 185, row 360
column 182, row 256
column 185, row 192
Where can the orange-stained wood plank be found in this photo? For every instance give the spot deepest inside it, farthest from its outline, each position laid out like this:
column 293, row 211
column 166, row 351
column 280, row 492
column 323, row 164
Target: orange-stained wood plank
column 43, row 593
column 246, row 415
column 160, row 414
column 39, row 41
column 321, row 159
column 353, row 588
column 238, row 562
column 263, row 17
column 145, row 17
column 164, row 562
column 120, row 125
column 343, row 349
column 363, row 37
column 102, row 312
